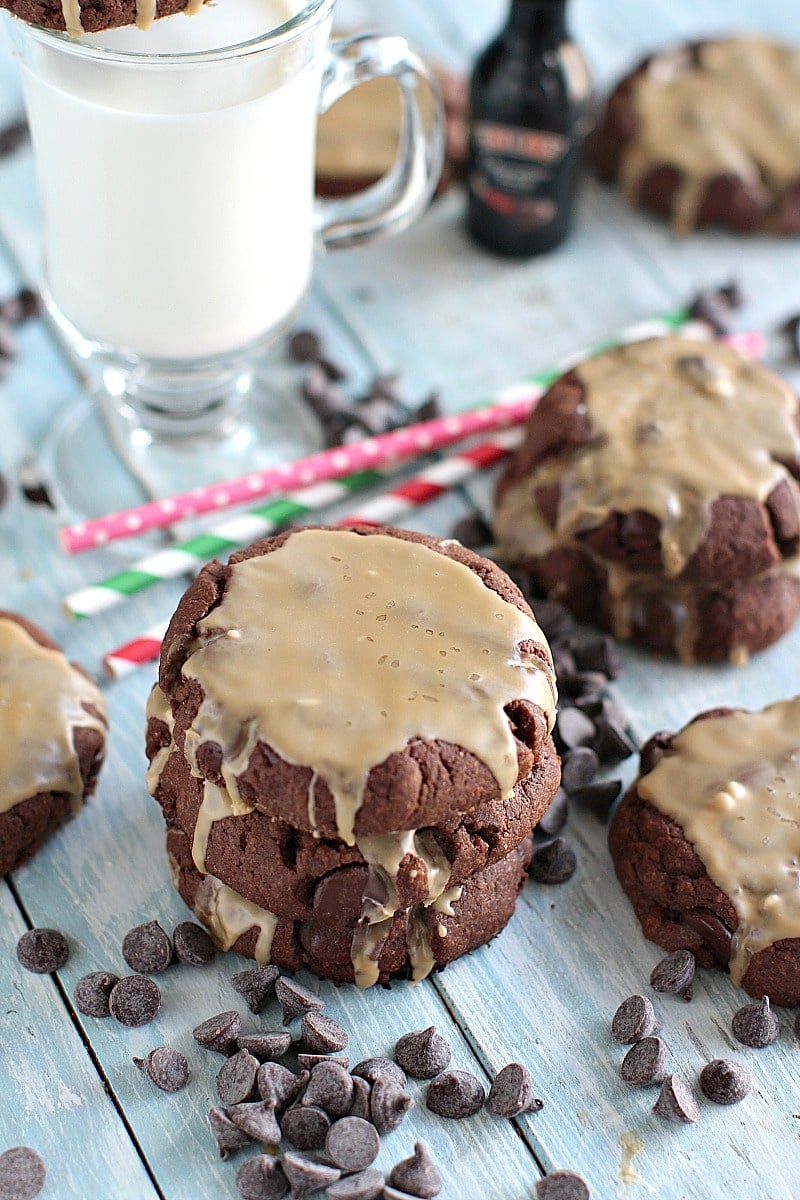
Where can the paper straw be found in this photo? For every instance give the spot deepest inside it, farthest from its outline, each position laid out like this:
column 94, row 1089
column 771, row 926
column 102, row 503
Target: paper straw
column 369, row 454
column 143, row 649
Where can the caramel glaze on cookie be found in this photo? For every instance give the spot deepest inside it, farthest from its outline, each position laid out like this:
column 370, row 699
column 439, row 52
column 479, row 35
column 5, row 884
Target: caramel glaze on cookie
column 90, row 16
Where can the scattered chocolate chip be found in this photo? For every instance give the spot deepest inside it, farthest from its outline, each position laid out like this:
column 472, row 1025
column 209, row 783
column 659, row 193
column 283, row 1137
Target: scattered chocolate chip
column 578, row 768
column 645, row 1063
column 562, row 1185
column 219, row 1033
column 30, row 303
column 555, row 818
column 305, row 346
column 330, row 1087
column 511, row 1092
column 366, row 1185
column 423, row 1054
column 455, row 1094
column 229, row 1137
column 361, row 1094
column 756, row 1025
column 429, row 410
column 322, row 1035
column 473, row 531
column 31, row 483
column 256, row 985
column 581, row 685
column 168, row 1069
column 612, row 741
column 192, row 945
column 307, row 1175
column 676, row 1101
column 554, row 862
column 309, row 1061
column 257, row 1120
column 42, row 951
column 598, row 797
column 372, row 1069
column 674, row 973
column 388, row 1104
column 417, row 1175
column 147, row 949
column 600, row 654
column 334, row 372
column 236, row 1078
column 295, row 1000
column 714, row 933
column 261, row 1178
column 267, row 1047
column 712, row 307
column 305, row 1127
column 733, row 294
column 134, row 1000
column 634, row 1019
column 278, row 1084
column 352, row 1144
column 12, row 136
column 555, row 621
column 92, row 992
column 22, row 1174
column 725, row 1082
column 574, row 728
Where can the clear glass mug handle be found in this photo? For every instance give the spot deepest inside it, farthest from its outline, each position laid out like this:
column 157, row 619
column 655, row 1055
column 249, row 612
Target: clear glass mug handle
column 397, row 199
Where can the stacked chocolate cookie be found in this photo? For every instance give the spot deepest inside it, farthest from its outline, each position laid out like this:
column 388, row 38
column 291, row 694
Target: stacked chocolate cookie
column 656, row 495
column 350, row 741
column 81, row 17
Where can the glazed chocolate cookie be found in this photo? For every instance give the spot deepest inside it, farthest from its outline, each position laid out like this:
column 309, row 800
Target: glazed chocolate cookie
column 412, row 942
column 90, row 16
column 358, row 682
column 53, row 732
column 697, row 135
column 656, row 494
column 707, row 840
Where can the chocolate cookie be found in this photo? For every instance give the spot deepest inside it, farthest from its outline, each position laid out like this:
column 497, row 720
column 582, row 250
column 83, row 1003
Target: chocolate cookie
column 696, row 134
column 53, row 732
column 90, row 16
column 706, row 844
column 656, row 494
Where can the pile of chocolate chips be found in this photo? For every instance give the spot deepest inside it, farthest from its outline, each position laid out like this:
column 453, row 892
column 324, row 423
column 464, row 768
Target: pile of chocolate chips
column 345, row 418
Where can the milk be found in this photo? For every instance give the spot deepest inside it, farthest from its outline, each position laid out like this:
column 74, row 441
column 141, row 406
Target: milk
column 177, row 199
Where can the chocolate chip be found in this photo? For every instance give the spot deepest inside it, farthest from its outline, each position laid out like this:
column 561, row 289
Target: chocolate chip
column 361, row 1094
column 715, row 935
column 598, row 798
column 562, row 1185
column 373, row 1069
column 366, row 1185
column 322, row 1035
column 574, row 728
column 600, row 654
column 473, row 531
column 756, row 1025
column 333, row 370
column 330, row 1087
column 147, row 949
column 277, row 1083
column 633, row 1020
column 229, row 1137
column 168, row 1069
column 555, row 818
column 563, row 661
column 555, row 621
column 417, row 1175
column 92, row 992
column 423, row 1054
column 352, row 1144
column 306, row 1175
column 305, row 346
column 674, row 973
column 645, row 1063
column 31, row 483
column 388, row 1104
column 511, row 1092
column 22, row 1174
column 267, row 1047
column 725, row 1082
column 676, row 1101
column 257, row 1120
column 134, row 1000
column 578, row 768
column 296, row 1000
column 236, row 1079
column 733, row 294
column 42, row 951
column 192, row 944
column 554, row 862
column 612, row 741
column 581, row 685
column 305, row 1127
column 455, row 1094
column 256, row 985
column 309, row 1061
column 261, row 1178
column 219, row 1033
column 12, row 136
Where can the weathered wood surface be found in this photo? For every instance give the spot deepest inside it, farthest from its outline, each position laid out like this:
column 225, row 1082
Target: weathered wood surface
column 544, row 992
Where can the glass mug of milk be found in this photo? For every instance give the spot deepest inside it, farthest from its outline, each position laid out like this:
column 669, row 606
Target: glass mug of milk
column 175, row 164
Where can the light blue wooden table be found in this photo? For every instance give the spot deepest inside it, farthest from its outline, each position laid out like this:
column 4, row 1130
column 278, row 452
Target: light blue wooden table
column 544, row 992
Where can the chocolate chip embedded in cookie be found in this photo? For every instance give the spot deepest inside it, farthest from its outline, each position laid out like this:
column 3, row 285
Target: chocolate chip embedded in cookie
column 656, row 494
column 90, row 16
column 706, row 845
column 704, row 134
column 53, row 733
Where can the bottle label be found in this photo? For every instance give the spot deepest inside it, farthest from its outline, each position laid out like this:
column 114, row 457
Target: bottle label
column 514, row 168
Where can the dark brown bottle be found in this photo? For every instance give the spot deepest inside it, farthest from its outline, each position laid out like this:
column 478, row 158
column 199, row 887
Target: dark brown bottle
column 530, row 95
